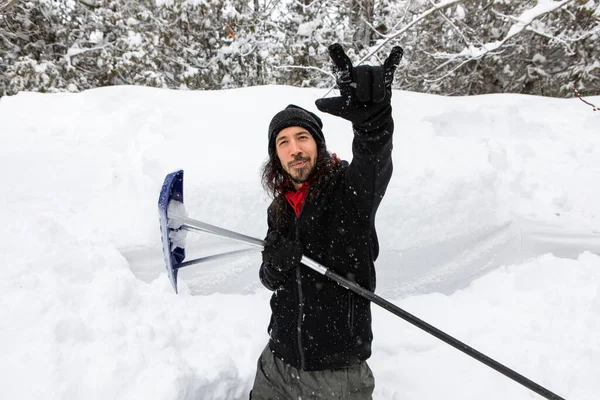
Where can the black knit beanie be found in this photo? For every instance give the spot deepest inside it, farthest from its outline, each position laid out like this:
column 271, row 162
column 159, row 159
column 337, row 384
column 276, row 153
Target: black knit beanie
column 293, row 115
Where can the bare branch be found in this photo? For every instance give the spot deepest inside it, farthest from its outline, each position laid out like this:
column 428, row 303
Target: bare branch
column 408, row 4
column 451, row 24
column 373, row 29
column 448, row 73
column 587, row 34
column 586, row 102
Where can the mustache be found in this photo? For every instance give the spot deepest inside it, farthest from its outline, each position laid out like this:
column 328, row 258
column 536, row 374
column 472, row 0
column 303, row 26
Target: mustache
column 298, row 158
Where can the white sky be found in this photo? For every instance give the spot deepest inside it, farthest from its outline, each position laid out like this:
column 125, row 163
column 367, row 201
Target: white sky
column 489, row 231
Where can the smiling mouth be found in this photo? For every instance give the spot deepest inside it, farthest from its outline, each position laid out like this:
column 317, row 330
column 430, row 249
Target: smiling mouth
column 301, row 163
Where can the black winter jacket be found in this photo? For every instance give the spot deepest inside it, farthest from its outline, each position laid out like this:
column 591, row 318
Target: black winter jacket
column 317, row 324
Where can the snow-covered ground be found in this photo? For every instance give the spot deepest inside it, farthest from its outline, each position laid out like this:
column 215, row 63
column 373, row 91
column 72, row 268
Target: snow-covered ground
column 490, row 231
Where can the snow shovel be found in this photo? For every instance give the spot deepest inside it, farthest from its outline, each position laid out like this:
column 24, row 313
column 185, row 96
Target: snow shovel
column 170, row 207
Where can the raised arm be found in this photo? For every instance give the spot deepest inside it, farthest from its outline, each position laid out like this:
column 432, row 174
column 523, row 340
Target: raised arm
column 365, row 100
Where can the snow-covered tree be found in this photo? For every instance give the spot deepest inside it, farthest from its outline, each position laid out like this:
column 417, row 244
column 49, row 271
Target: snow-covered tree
column 480, row 46
column 454, row 47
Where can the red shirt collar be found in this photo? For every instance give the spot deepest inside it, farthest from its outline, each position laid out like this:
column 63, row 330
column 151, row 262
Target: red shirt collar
column 296, row 199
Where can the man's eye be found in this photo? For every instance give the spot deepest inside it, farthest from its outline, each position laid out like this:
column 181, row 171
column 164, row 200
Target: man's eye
column 282, row 142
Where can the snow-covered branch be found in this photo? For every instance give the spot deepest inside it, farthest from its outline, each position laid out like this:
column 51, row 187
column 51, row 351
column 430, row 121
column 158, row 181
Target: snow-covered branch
column 75, row 51
column 542, row 8
column 436, row 7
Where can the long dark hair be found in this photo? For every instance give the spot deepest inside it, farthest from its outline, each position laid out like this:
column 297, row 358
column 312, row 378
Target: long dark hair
column 276, row 181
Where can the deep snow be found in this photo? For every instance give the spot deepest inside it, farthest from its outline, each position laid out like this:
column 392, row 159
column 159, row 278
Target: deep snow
column 489, row 230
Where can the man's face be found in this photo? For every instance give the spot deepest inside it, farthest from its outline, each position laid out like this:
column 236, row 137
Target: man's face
column 297, row 152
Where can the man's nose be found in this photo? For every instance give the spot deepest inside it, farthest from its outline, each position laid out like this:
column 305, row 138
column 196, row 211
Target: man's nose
column 295, row 148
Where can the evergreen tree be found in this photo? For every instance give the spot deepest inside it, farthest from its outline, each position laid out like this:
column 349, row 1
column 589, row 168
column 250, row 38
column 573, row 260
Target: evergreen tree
column 453, row 47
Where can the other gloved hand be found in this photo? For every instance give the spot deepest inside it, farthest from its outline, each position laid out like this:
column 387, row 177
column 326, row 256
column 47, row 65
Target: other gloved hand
column 365, row 91
column 281, row 254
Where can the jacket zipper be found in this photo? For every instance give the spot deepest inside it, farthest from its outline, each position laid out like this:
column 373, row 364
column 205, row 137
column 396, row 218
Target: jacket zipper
column 300, row 318
column 300, row 295
column 351, row 313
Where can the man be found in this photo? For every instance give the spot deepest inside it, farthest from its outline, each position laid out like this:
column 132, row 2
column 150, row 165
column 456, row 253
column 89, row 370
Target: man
column 324, row 208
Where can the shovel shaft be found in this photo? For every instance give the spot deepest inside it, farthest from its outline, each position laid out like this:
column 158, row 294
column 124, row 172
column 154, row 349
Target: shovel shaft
column 432, row 330
column 193, row 225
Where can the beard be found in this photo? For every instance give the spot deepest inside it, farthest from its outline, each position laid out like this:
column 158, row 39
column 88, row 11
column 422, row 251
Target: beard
column 300, row 175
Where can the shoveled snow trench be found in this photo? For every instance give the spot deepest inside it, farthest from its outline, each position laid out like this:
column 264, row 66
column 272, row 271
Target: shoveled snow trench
column 444, row 266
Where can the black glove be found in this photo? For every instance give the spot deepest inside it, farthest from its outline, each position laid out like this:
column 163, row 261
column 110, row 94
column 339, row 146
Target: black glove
column 365, row 91
column 281, row 254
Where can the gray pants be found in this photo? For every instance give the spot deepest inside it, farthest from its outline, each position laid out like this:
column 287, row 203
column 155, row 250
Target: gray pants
column 276, row 380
